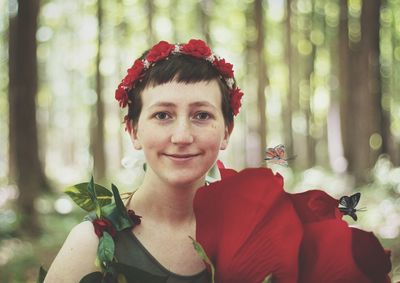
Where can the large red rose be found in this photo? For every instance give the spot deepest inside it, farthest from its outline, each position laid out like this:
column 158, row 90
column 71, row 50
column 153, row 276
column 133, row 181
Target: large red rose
column 345, row 254
column 196, row 48
column 315, row 205
column 103, row 224
column 225, row 68
column 121, row 96
column 159, row 51
column 133, row 73
column 370, row 256
column 248, row 227
column 236, row 97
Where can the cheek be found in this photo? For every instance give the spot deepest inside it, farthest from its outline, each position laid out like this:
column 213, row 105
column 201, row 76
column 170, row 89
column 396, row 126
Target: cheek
column 213, row 136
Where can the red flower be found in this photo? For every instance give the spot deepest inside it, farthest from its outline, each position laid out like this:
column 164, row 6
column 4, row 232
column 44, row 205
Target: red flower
column 159, row 51
column 101, row 225
column 196, row 48
column 121, row 95
column 344, row 254
column 225, row 68
column 248, row 227
column 370, row 256
column 236, row 97
column 315, row 205
column 136, row 219
column 133, row 73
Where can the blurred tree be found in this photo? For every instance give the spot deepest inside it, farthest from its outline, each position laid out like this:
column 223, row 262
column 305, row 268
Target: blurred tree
column 204, row 10
column 174, row 14
column 23, row 82
column 150, row 14
column 308, row 84
column 261, row 69
column 287, row 112
column 97, row 124
column 361, row 93
column 388, row 39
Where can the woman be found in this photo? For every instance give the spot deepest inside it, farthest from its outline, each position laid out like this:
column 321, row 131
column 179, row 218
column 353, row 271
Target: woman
column 181, row 102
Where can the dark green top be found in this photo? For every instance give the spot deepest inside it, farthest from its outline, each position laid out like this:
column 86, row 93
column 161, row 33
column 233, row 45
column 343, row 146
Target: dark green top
column 130, row 251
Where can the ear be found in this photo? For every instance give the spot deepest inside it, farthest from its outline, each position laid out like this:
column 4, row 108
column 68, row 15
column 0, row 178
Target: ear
column 225, row 141
column 134, row 135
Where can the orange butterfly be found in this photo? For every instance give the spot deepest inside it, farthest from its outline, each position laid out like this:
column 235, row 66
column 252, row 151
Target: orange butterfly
column 277, row 155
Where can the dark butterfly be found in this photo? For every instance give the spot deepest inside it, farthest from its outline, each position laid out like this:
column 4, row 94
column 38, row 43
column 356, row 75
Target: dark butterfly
column 348, row 205
column 277, row 155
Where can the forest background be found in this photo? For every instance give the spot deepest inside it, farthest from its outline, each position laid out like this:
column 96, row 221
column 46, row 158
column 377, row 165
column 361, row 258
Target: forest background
column 321, row 77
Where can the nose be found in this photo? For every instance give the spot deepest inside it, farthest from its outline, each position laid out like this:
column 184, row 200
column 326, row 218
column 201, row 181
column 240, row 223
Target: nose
column 182, row 133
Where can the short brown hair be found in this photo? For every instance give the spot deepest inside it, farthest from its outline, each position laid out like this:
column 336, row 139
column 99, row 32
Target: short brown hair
column 184, row 69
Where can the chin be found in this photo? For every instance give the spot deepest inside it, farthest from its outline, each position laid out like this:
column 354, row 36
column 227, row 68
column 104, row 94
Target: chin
column 185, row 180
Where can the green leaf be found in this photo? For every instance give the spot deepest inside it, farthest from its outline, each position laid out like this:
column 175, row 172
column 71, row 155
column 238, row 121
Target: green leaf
column 117, row 213
column 118, row 201
column 93, row 197
column 106, row 249
column 42, row 275
column 268, row 279
column 94, row 277
column 80, row 195
column 200, row 251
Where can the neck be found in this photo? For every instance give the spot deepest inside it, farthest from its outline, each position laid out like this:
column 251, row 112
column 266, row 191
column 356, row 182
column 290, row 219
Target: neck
column 164, row 202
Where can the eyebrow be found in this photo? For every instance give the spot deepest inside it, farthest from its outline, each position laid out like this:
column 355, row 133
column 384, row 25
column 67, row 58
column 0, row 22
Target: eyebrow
column 170, row 104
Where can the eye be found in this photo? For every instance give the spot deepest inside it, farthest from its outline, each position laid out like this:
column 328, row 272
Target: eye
column 202, row 116
column 161, row 115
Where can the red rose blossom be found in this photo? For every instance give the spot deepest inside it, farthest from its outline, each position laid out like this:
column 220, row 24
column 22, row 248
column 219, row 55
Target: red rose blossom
column 236, row 96
column 159, row 51
column 370, row 257
column 136, row 219
column 101, row 225
column 248, row 228
column 196, row 48
column 225, row 68
column 121, row 96
column 133, row 73
column 295, row 237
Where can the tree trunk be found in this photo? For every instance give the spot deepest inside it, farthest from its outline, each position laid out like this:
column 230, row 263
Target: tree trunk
column 23, row 128
column 363, row 95
column 288, row 106
column 261, row 75
column 343, row 55
column 333, row 127
column 308, row 84
column 173, row 16
column 205, row 8
column 150, row 14
column 97, row 140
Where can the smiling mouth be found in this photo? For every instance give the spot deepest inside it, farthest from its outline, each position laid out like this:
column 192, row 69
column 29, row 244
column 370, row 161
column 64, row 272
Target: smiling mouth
column 181, row 157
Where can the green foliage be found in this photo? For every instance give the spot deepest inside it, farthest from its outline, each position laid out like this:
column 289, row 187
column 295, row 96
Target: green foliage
column 86, row 195
column 200, row 251
column 117, row 213
column 268, row 279
column 106, row 249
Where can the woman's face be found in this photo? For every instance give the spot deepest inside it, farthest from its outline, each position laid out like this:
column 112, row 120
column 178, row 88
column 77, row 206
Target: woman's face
column 181, row 130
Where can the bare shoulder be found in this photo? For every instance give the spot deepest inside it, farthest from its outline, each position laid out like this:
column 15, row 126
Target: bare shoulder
column 76, row 257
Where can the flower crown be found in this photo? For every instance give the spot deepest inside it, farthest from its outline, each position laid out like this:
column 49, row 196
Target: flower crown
column 196, row 48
